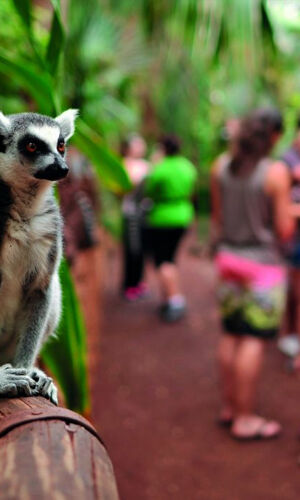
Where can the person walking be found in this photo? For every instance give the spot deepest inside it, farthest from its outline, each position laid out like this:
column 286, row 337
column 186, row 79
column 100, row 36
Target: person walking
column 251, row 216
column 169, row 186
column 133, row 152
column 289, row 343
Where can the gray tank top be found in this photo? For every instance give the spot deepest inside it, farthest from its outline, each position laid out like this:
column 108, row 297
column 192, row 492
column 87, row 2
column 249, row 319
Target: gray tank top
column 247, row 215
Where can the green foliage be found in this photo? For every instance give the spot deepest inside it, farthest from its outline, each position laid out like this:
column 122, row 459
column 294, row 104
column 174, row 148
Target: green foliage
column 183, row 66
column 56, row 39
column 102, row 59
column 26, row 76
column 37, row 70
column 105, row 162
column 41, row 71
column 23, row 8
column 210, row 60
column 66, row 354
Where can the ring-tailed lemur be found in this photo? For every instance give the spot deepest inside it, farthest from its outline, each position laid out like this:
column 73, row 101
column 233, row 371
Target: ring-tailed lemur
column 32, row 157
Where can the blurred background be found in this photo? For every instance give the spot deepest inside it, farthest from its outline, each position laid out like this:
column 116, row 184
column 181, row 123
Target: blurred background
column 151, row 67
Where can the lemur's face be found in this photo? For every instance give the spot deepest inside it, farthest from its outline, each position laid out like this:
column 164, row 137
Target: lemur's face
column 33, row 145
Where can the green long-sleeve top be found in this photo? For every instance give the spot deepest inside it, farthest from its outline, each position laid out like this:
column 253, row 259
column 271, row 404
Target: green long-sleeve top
column 170, row 186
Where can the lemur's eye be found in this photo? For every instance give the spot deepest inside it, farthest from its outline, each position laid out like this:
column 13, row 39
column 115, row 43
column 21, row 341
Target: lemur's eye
column 31, row 147
column 61, row 147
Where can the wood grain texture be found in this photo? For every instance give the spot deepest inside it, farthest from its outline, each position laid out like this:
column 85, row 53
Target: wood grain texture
column 51, row 459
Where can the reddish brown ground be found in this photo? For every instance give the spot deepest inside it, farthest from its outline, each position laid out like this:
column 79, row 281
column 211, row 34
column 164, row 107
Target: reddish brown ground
column 156, row 399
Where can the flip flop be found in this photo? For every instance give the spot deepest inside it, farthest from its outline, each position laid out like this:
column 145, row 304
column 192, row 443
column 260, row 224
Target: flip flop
column 260, row 433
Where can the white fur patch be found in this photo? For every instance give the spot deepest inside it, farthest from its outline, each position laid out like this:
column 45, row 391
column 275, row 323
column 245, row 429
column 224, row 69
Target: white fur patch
column 4, row 122
column 45, row 133
column 45, row 160
column 25, row 251
column 66, row 122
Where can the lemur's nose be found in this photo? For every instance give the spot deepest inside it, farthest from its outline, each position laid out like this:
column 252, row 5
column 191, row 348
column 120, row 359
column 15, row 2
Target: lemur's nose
column 54, row 172
column 57, row 171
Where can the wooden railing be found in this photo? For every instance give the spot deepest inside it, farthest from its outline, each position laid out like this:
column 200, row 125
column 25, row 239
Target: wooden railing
column 50, row 453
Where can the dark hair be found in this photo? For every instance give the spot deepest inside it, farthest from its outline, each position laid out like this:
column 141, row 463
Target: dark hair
column 254, row 140
column 171, row 144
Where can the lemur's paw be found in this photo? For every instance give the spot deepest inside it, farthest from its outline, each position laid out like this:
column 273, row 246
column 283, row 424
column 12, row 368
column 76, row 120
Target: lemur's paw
column 15, row 382
column 44, row 385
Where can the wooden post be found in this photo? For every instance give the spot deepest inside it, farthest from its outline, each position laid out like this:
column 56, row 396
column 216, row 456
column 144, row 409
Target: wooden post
column 50, row 453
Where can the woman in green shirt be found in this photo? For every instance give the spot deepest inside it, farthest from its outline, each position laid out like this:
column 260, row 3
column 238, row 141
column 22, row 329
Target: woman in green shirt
column 170, row 186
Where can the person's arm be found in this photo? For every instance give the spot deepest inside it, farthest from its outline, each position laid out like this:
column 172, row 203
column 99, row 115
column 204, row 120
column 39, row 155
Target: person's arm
column 137, row 169
column 295, row 173
column 215, row 196
column 295, row 210
column 278, row 186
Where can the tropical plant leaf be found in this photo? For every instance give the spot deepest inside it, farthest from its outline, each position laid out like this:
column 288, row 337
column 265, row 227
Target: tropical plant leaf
column 108, row 167
column 37, row 84
column 66, row 354
column 23, row 8
column 267, row 27
column 56, row 39
column 56, row 4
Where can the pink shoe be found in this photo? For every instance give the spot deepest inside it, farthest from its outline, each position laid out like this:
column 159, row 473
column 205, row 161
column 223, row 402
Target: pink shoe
column 131, row 294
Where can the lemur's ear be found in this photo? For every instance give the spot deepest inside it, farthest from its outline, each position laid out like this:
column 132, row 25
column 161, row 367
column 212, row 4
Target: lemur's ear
column 66, row 121
column 4, row 124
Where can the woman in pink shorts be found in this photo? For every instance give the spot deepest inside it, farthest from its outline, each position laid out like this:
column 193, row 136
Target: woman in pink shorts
column 251, row 216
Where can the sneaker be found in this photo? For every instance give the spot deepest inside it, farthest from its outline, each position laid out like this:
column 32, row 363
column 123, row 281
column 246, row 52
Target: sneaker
column 289, row 345
column 171, row 313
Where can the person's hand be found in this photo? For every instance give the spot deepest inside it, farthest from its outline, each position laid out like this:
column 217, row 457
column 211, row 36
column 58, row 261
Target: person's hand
column 296, row 173
column 295, row 210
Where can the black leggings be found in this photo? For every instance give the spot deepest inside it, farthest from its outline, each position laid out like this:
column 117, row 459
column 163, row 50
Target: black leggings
column 133, row 255
column 161, row 243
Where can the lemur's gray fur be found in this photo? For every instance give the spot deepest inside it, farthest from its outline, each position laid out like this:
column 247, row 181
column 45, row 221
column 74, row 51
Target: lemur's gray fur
column 32, row 157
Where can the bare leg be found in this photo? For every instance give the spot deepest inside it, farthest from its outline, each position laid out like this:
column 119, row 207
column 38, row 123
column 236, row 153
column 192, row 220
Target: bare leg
column 247, row 368
column 289, row 316
column 226, row 359
column 169, row 280
column 248, row 364
column 295, row 315
column 173, row 307
column 295, row 278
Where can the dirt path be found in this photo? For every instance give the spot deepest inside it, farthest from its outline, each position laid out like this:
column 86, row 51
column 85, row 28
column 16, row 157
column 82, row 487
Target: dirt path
column 156, row 400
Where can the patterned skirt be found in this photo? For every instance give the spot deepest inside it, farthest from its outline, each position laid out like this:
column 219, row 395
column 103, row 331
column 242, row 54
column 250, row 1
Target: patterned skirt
column 251, row 295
